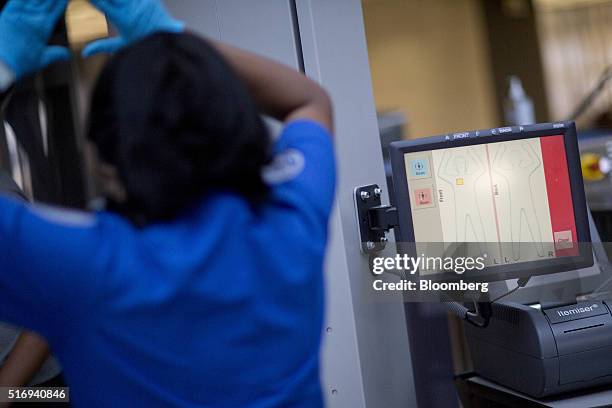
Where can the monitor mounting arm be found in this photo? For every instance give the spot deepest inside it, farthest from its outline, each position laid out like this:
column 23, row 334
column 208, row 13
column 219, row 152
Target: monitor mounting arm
column 374, row 219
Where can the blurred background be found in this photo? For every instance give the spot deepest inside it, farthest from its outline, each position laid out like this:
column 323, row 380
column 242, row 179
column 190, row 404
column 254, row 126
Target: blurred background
column 445, row 66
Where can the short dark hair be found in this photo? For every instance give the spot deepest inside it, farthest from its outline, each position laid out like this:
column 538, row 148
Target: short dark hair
column 174, row 119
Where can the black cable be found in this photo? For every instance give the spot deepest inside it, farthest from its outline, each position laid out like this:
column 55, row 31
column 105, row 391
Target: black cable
column 5, row 98
column 481, row 315
column 520, row 283
column 590, row 98
column 458, row 309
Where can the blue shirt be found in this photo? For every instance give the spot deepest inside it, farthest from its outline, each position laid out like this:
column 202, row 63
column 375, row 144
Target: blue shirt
column 222, row 307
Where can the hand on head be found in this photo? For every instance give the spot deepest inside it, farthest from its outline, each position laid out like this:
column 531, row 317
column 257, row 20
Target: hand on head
column 27, row 25
column 135, row 19
column 25, row 29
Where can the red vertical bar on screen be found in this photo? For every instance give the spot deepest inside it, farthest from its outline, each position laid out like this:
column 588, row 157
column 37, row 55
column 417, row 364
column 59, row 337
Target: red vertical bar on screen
column 559, row 196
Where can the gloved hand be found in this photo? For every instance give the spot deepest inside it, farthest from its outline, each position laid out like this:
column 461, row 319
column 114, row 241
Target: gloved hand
column 25, row 29
column 135, row 19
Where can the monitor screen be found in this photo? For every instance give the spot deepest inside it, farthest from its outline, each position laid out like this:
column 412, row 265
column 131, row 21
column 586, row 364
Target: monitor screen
column 511, row 196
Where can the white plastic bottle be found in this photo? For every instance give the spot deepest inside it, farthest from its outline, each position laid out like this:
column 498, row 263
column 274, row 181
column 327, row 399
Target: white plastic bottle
column 519, row 107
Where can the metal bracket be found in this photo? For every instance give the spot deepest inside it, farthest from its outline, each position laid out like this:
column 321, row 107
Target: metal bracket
column 373, row 218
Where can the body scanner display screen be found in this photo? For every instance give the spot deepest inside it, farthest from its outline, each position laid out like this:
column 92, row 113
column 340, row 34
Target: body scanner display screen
column 511, row 199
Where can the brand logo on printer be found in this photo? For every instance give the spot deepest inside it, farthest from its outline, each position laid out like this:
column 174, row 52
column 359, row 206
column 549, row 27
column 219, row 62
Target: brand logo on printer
column 577, row 310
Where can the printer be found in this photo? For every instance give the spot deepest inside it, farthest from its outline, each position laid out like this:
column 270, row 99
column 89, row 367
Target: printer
column 544, row 352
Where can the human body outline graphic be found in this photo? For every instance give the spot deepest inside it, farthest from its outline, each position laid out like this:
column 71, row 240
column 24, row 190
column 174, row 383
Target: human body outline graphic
column 462, row 170
column 517, row 172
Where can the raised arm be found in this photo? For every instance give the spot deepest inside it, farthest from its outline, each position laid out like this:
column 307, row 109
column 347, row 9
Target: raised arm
column 480, row 167
column 25, row 29
column 443, row 170
column 534, row 161
column 279, row 91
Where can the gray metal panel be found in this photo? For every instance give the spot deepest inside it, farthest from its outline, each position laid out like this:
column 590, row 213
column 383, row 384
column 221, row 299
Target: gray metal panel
column 262, row 26
column 201, row 16
column 335, row 54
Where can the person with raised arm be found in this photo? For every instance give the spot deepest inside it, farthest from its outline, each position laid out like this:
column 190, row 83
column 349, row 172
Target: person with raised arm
column 200, row 284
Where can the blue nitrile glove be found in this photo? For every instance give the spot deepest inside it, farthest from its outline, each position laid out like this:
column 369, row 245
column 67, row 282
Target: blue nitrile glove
column 25, row 29
column 135, row 19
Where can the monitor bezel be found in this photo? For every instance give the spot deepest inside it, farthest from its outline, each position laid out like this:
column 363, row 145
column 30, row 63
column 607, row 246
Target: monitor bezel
column 405, row 234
